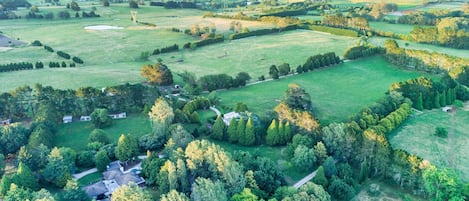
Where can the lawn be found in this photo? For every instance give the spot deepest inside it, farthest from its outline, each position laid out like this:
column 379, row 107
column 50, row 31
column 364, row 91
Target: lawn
column 336, row 92
column 256, row 54
column 396, row 28
column 90, row 179
column 292, row 174
column 75, row 135
column 416, row 137
column 419, row 46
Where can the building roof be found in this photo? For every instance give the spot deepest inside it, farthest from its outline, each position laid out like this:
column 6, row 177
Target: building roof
column 68, row 117
column 96, row 189
column 122, row 179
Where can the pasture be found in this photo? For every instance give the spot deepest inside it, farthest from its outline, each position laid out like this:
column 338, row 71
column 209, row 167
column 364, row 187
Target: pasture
column 75, row 135
column 336, row 92
column 417, row 137
column 255, row 55
column 379, row 41
column 396, row 28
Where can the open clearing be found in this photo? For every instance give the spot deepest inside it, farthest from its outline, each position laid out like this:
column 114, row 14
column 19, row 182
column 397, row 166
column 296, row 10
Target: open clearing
column 75, row 135
column 416, row 137
column 336, row 92
column 420, row 46
column 256, row 54
column 396, row 28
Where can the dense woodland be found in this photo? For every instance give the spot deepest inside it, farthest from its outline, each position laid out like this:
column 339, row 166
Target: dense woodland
column 183, row 160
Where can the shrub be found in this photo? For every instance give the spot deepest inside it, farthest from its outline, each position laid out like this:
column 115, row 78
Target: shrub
column 48, row 48
column 36, row 43
column 441, row 132
column 77, row 60
column 63, row 54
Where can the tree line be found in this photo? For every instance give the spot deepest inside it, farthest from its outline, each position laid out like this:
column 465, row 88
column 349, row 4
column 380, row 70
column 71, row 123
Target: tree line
column 360, row 51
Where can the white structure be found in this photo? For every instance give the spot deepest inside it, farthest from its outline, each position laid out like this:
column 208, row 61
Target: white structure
column 5, row 122
column 447, row 109
column 230, row 115
column 67, row 119
column 121, row 115
column 85, row 118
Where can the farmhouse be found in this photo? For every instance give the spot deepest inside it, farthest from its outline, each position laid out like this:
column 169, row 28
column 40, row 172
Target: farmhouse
column 113, row 178
column 67, row 119
column 230, row 115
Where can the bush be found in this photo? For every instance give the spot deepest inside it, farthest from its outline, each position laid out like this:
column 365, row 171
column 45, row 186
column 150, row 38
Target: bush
column 441, row 132
column 133, row 4
column 36, row 43
column 63, row 54
column 77, row 60
column 332, row 30
column 48, row 48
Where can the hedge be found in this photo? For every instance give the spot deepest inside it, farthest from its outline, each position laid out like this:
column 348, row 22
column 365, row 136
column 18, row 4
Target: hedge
column 286, row 13
column 261, row 32
column 332, row 30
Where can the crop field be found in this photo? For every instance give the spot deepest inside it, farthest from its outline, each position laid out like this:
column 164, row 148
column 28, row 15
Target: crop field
column 111, row 56
column 396, row 28
column 336, row 92
column 416, row 136
column 75, row 135
column 445, row 5
column 256, row 54
column 420, row 46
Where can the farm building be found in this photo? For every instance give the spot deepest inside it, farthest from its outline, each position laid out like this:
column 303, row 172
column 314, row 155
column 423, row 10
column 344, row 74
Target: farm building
column 5, row 122
column 230, row 115
column 122, row 115
column 113, row 178
column 85, row 118
column 447, row 109
column 67, row 119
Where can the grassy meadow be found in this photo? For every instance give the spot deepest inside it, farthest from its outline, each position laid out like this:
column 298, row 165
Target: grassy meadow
column 416, row 136
column 75, row 135
column 396, row 28
column 256, row 54
column 336, row 92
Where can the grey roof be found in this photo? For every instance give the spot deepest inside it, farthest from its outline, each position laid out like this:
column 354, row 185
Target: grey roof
column 95, row 189
column 122, row 179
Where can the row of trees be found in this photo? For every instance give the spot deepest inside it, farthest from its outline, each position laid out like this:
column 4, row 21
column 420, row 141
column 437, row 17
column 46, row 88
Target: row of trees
column 223, row 81
column 17, row 66
column 172, row 48
column 449, row 32
column 238, row 131
column 360, row 51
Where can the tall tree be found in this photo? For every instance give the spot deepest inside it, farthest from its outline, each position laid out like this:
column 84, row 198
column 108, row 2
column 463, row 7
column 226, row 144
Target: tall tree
column 245, row 195
column 272, row 134
column 73, row 192
column 419, row 102
column 127, row 148
column 25, row 178
column 329, row 167
column 273, row 72
column 320, row 177
column 161, row 116
column 249, row 137
column 232, row 131
column 441, row 184
column 174, row 196
column 157, row 74
column 57, row 170
column 240, row 128
column 218, row 129
column 287, row 132
column 182, row 176
column 130, row 192
column 281, row 133
column 304, row 158
column 205, row 189
column 100, row 118
column 320, row 152
column 102, row 160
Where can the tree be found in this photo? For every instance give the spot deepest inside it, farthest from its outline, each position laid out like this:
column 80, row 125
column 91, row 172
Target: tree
column 441, row 132
column 296, row 97
column 341, row 190
column 240, row 129
column 102, row 160
column 157, row 74
column 58, row 168
column 106, row 3
column 329, row 167
column 287, row 134
column 240, row 107
column 232, row 132
column 133, row 4
column 25, row 178
column 73, row 192
column 98, row 135
column 17, row 193
column 218, row 129
column 441, row 184
column 161, row 116
column 205, row 189
column 182, row 176
column 127, row 148
column 320, row 177
column 273, row 72
column 436, row 101
column 43, row 195
column 74, row 6
column 249, row 137
column 5, row 184
column 174, row 196
column 2, row 165
column 272, row 134
column 304, row 158
column 245, row 195
column 419, row 102
column 100, row 118
column 320, row 152
column 130, row 192
column 309, row 191
column 443, row 101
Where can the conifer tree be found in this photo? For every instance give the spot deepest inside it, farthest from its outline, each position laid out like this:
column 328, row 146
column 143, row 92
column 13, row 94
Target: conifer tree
column 436, row 102
column 443, row 99
column 320, row 177
column 240, row 129
column 218, row 129
column 249, row 134
column 281, row 133
column 419, row 102
column 287, row 132
column 272, row 134
column 232, row 132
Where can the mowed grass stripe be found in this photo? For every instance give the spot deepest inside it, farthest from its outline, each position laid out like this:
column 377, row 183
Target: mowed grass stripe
column 336, row 92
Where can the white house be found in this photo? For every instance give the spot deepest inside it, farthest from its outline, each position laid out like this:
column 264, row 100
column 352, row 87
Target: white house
column 85, row 118
column 230, row 115
column 121, row 115
column 67, row 119
column 447, row 109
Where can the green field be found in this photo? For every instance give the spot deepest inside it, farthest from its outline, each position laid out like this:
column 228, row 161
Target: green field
column 75, row 135
column 89, row 179
column 336, row 92
column 396, row 28
column 419, row 46
column 416, row 137
column 255, row 54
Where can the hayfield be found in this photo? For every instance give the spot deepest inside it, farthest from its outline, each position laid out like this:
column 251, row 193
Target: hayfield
column 416, row 136
column 396, row 28
column 420, row 46
column 256, row 54
column 336, row 92
column 75, row 135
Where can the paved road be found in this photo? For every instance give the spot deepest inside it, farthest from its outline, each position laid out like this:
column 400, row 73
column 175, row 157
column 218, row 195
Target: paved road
column 304, row 180
column 84, row 173
column 216, row 111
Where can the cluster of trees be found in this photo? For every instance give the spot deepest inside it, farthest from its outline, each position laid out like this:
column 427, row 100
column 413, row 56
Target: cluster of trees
column 205, row 41
column 16, row 66
column 157, row 74
column 424, row 60
column 53, row 64
column 237, row 16
column 332, row 30
column 429, row 18
column 320, row 60
column 340, row 21
column 356, row 52
column 63, row 54
column 427, row 94
column 282, row 70
column 26, row 101
column 261, row 32
column 172, row 48
column 62, row 15
column 237, row 131
column 451, row 32
column 223, row 81
column 172, row 4
column 278, row 133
